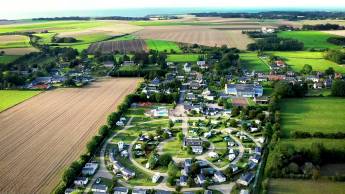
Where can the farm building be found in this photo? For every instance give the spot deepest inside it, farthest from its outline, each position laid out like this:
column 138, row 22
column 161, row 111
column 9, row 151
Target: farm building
column 244, row 90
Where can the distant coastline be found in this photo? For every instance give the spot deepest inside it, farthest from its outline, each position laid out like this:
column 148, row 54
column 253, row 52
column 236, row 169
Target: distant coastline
column 142, row 12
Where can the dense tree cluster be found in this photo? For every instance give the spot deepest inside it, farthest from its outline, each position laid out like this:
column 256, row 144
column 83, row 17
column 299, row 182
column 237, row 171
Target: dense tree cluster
column 56, row 39
column 327, row 26
column 336, row 56
column 337, row 40
column 338, row 88
column 276, row 44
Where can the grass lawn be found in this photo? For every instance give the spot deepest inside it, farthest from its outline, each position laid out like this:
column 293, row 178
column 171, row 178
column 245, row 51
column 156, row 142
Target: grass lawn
column 296, row 61
column 5, row 59
column 311, row 39
column 321, row 114
column 253, row 63
column 162, row 45
column 183, row 58
column 129, row 68
column 174, row 148
column 9, row 98
column 290, row 186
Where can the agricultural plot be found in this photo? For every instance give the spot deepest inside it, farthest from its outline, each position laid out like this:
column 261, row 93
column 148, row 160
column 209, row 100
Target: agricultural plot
column 313, row 115
column 9, row 98
column 122, row 46
column 296, row 61
column 15, row 45
column 187, row 34
column 162, row 46
column 290, row 186
column 253, row 63
column 45, row 134
column 311, row 39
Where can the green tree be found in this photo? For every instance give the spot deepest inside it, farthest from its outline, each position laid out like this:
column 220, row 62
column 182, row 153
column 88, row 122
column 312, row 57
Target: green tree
column 338, row 88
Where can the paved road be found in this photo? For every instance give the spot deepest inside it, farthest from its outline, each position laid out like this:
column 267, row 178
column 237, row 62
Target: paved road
column 224, row 188
column 103, row 171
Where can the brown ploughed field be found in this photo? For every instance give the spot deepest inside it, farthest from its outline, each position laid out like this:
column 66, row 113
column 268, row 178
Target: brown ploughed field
column 43, row 135
column 122, row 46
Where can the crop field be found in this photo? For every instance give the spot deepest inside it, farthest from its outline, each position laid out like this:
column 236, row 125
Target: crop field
column 9, row 98
column 253, row 63
column 14, row 41
column 41, row 136
column 311, row 39
column 15, row 44
column 183, row 58
column 290, row 186
column 187, row 34
column 296, row 60
column 122, row 46
column 162, row 45
column 313, row 115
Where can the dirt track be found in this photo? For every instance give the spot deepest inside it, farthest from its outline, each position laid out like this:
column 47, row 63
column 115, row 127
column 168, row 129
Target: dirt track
column 41, row 136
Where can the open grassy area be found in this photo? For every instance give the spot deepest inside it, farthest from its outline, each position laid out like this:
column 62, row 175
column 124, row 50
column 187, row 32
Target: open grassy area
column 324, row 114
column 311, row 39
column 290, row 186
column 296, row 61
column 253, row 63
column 162, row 45
column 7, row 59
column 306, row 143
column 183, row 58
column 9, row 98
column 174, row 148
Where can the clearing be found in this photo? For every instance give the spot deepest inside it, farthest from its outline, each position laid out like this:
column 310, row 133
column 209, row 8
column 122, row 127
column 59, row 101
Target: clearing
column 41, row 136
column 9, row 98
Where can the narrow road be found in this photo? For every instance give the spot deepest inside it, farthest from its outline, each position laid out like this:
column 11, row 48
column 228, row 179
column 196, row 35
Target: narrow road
column 103, row 171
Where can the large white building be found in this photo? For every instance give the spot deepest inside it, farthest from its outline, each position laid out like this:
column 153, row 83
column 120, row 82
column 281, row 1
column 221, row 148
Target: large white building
column 244, row 90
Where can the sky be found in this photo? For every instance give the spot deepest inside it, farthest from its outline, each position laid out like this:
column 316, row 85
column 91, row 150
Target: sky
column 17, row 7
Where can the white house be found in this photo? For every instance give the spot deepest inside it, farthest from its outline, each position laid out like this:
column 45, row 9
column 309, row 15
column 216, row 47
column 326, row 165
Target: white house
column 213, row 155
column 244, row 90
column 187, row 67
column 156, row 177
column 120, row 145
column 255, row 158
column 89, row 169
column 138, row 191
column 99, row 188
column 201, row 179
column 183, row 181
column 81, row 181
column 120, row 190
column 160, row 112
column 245, row 179
column 120, row 123
column 219, row 177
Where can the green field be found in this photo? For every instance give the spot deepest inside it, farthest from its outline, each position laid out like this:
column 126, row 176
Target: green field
column 162, row 45
column 338, row 144
column 172, row 23
column 311, row 39
column 296, row 61
column 183, row 58
column 20, row 42
column 253, row 63
column 51, row 26
column 323, row 114
column 9, row 98
column 290, row 186
column 7, row 59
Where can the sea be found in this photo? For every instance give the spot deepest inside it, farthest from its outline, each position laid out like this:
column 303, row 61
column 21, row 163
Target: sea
column 141, row 12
